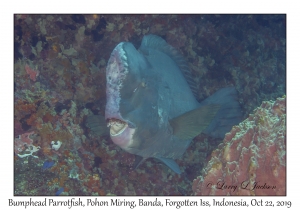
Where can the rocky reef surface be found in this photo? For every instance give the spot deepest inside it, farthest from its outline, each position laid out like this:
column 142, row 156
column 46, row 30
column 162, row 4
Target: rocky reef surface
column 252, row 158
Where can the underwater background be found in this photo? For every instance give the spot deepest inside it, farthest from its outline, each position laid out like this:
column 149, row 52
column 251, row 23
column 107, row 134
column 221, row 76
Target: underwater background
column 59, row 80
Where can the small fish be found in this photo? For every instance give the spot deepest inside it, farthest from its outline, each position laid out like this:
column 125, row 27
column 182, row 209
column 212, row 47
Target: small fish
column 47, row 164
column 59, row 191
column 151, row 106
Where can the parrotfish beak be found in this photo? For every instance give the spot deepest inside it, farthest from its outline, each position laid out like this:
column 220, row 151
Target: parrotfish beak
column 120, row 133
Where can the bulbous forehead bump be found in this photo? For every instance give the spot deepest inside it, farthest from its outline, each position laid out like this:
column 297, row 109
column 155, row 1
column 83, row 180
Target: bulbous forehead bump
column 116, row 72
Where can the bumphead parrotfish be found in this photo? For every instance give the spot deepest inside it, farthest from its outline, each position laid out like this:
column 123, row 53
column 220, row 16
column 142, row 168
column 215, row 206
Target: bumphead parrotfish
column 151, row 108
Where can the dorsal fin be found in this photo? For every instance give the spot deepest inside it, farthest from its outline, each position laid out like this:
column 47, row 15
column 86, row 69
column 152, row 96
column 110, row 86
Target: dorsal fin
column 158, row 43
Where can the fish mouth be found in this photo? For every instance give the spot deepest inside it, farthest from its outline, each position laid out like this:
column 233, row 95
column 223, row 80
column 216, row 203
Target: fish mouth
column 117, row 126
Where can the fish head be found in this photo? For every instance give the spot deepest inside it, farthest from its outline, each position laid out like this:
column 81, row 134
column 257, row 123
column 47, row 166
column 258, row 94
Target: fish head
column 132, row 95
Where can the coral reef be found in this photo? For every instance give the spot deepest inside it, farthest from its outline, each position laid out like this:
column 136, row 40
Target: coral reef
column 24, row 144
column 59, row 79
column 32, row 73
column 252, row 158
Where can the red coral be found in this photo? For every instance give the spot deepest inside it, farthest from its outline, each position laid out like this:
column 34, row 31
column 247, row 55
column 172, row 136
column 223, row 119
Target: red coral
column 32, row 73
column 252, row 158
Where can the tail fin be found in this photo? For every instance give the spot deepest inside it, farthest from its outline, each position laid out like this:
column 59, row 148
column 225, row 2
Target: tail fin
column 229, row 114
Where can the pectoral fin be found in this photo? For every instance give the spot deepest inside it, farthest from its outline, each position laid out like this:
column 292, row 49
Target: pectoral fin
column 97, row 124
column 192, row 123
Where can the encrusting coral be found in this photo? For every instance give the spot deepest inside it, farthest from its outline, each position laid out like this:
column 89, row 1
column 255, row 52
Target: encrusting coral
column 252, row 158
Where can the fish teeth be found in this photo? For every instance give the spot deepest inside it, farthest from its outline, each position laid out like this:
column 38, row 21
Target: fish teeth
column 117, row 128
